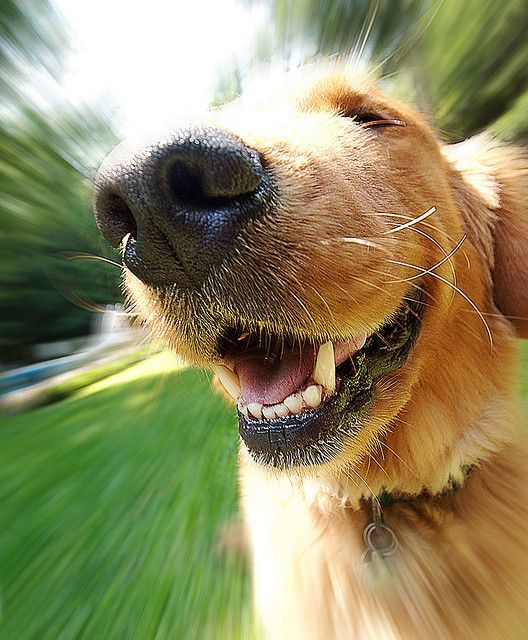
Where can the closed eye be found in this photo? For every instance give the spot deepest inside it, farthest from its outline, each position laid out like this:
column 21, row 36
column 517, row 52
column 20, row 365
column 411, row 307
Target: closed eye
column 374, row 120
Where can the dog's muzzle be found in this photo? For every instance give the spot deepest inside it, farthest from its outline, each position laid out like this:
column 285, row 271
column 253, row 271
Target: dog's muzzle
column 179, row 205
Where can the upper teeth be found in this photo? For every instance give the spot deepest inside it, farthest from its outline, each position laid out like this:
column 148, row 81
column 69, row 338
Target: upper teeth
column 323, row 375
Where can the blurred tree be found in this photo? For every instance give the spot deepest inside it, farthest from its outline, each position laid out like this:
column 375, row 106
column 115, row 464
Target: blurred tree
column 466, row 62
column 30, row 40
column 47, row 154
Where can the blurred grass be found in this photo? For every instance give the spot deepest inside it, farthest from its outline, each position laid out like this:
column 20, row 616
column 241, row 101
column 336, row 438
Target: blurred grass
column 111, row 503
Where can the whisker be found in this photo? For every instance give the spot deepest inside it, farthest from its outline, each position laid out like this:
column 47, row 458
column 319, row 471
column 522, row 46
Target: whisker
column 425, row 224
column 459, row 291
column 497, row 315
column 412, row 222
column 361, row 241
column 373, row 494
column 379, row 465
column 437, row 244
column 424, row 304
column 305, row 308
column 413, row 285
column 347, row 293
column 324, row 302
column 447, row 257
column 368, row 283
column 381, row 338
column 88, row 256
column 384, row 444
column 63, row 287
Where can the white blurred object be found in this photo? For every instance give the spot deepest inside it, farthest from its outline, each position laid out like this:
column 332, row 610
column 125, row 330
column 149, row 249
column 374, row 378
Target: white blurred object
column 111, row 336
column 111, row 327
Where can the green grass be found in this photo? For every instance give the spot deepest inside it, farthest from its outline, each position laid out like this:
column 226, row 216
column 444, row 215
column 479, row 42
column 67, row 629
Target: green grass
column 110, row 506
column 111, row 502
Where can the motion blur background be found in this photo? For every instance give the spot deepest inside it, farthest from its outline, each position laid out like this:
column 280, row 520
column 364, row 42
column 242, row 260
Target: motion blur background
column 117, row 465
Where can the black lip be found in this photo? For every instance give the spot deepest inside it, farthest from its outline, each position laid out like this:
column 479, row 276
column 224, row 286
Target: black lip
column 313, row 437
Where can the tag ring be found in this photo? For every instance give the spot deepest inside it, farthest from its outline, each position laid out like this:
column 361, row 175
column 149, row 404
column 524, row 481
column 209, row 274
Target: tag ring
column 386, row 547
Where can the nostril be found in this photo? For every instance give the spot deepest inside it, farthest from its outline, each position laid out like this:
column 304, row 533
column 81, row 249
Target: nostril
column 185, row 184
column 115, row 218
column 204, row 174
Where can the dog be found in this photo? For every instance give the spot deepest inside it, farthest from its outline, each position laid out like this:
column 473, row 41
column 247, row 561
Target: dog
column 358, row 287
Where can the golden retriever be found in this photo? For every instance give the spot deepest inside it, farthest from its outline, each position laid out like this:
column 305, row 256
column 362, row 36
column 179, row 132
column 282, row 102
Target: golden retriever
column 358, row 287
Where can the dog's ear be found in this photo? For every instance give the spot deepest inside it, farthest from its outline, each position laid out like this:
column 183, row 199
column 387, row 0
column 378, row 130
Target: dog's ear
column 490, row 183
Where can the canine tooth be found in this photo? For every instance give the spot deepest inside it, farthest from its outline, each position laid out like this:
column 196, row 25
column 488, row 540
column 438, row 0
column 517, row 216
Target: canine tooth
column 281, row 410
column 269, row 413
column 324, row 371
column 255, row 409
column 312, row 395
column 229, row 380
column 294, row 403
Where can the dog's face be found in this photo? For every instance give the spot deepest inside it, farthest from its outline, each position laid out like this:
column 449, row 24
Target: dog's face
column 301, row 247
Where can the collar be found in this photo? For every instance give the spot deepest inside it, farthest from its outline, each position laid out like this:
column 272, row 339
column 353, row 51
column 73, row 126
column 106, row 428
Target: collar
column 380, row 540
column 387, row 499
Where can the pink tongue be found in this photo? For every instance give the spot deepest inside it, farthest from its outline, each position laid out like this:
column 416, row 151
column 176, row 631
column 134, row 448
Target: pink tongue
column 270, row 381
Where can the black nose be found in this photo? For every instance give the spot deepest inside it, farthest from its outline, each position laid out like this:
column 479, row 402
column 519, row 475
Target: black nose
column 183, row 202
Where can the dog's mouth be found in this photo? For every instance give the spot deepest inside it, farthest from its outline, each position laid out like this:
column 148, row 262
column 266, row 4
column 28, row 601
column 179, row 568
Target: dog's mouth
column 297, row 398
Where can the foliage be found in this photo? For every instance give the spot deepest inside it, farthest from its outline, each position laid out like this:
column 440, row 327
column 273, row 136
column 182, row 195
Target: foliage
column 45, row 211
column 30, row 41
column 46, row 153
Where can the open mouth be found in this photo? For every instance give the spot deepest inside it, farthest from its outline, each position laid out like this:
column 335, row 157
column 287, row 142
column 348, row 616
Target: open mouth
column 298, row 399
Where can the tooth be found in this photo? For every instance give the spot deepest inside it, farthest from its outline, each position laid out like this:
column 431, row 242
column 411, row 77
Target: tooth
column 243, row 409
column 324, row 371
column 281, row 410
column 229, row 380
column 294, row 403
column 255, row 409
column 312, row 395
column 359, row 341
column 269, row 413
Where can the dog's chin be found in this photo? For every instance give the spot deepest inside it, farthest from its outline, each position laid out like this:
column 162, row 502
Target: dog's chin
column 293, row 409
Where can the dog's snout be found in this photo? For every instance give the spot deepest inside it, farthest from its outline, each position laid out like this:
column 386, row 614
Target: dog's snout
column 181, row 203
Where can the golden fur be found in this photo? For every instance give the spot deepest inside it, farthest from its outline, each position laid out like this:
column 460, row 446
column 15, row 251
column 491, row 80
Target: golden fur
column 337, row 260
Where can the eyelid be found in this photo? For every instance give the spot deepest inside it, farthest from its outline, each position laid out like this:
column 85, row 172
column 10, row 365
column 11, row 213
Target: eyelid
column 384, row 121
column 366, row 119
